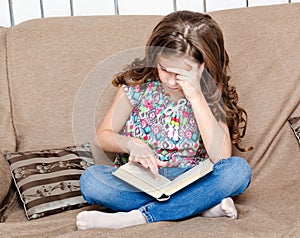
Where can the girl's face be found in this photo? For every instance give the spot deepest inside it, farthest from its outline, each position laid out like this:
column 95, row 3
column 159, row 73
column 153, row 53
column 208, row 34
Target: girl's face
column 168, row 79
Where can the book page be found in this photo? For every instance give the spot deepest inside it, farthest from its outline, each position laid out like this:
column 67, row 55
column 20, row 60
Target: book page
column 142, row 179
column 190, row 176
column 161, row 187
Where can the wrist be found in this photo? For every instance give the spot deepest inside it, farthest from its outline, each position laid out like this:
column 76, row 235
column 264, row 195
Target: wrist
column 128, row 145
column 130, row 141
column 197, row 100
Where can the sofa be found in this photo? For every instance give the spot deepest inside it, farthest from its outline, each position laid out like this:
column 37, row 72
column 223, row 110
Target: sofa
column 55, row 87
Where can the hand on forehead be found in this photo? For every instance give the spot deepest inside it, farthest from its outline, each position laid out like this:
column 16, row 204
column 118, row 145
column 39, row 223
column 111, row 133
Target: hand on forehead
column 179, row 65
column 180, row 62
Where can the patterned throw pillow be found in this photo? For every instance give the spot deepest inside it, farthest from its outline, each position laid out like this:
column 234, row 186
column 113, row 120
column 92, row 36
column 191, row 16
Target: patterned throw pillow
column 295, row 125
column 48, row 180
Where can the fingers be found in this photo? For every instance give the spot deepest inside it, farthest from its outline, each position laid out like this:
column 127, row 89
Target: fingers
column 148, row 162
column 161, row 163
column 182, row 78
column 201, row 69
column 153, row 168
column 141, row 153
column 195, row 67
column 177, row 71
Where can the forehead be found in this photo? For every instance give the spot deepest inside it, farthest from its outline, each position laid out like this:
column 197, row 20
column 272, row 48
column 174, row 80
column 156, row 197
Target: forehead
column 173, row 62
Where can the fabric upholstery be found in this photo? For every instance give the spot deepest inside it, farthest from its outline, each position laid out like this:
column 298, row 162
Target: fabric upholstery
column 48, row 60
column 7, row 137
column 5, row 183
column 264, row 56
column 60, row 58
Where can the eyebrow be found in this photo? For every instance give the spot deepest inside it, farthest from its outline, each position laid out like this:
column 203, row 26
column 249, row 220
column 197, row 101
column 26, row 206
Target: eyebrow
column 162, row 67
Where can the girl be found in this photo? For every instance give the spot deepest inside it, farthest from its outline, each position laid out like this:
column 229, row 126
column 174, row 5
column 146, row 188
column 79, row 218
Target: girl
column 173, row 109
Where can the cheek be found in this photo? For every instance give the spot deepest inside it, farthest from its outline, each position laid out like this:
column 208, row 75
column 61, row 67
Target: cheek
column 162, row 76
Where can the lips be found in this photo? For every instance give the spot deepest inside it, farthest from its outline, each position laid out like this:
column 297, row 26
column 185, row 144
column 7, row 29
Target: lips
column 174, row 89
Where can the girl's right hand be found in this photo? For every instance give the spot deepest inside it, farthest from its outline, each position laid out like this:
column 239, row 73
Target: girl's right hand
column 140, row 152
column 189, row 80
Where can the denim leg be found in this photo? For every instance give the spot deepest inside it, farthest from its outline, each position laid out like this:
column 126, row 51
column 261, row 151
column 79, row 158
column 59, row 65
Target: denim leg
column 99, row 186
column 230, row 177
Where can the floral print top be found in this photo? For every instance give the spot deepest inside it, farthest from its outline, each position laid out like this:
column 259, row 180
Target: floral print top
column 169, row 128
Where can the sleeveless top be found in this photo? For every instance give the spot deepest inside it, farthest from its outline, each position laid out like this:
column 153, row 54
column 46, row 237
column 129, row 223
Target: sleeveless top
column 169, row 128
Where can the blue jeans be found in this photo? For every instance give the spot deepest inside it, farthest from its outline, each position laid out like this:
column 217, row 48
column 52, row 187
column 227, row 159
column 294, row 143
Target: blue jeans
column 230, row 177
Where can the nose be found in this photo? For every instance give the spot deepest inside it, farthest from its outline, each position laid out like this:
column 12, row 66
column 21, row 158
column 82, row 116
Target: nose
column 172, row 79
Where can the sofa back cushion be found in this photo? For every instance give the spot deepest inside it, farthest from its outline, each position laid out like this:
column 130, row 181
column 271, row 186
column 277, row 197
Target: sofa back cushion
column 264, row 52
column 48, row 61
column 48, row 69
column 7, row 137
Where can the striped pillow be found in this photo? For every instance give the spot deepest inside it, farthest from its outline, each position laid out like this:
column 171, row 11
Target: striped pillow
column 48, row 180
column 295, row 125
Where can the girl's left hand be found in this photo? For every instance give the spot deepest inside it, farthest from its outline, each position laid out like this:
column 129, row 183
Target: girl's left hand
column 189, row 80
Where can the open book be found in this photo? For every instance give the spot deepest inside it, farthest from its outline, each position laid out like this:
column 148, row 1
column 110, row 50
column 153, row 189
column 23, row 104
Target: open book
column 161, row 188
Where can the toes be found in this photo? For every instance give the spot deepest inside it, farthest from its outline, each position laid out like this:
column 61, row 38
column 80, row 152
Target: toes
column 81, row 220
column 228, row 207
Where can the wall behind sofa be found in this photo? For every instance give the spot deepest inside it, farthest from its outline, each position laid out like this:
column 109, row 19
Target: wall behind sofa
column 13, row 12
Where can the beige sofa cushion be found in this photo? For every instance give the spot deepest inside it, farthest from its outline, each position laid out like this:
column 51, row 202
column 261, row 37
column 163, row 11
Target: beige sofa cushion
column 7, row 138
column 263, row 45
column 47, row 68
column 5, row 182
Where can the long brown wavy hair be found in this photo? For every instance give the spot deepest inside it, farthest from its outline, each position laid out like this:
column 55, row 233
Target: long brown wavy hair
column 199, row 36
